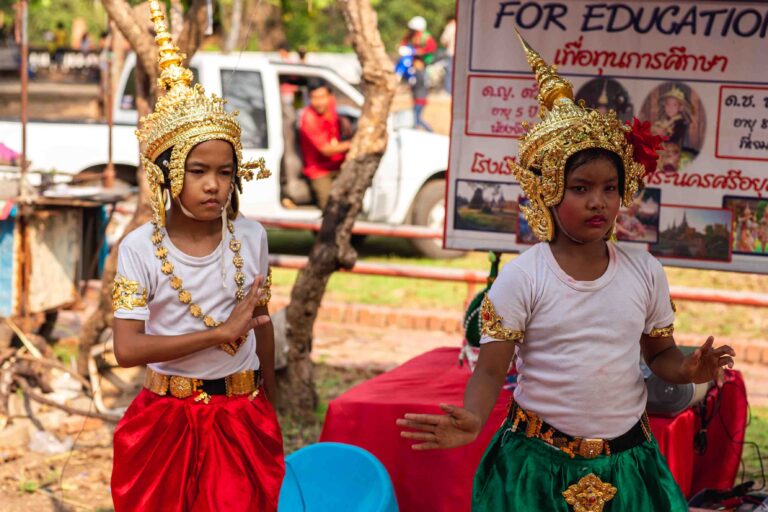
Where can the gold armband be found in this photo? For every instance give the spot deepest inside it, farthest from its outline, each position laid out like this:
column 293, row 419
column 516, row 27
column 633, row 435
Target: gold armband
column 493, row 326
column 124, row 294
column 662, row 332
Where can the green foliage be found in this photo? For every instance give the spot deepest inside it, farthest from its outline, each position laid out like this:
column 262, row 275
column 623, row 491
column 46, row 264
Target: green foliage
column 44, row 15
column 323, row 29
column 320, row 28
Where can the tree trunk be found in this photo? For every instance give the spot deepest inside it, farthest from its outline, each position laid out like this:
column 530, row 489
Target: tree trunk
column 176, row 16
column 332, row 249
column 135, row 25
column 267, row 22
column 233, row 37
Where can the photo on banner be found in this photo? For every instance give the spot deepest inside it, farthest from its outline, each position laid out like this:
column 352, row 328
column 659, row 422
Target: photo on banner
column 639, row 222
column 676, row 113
column 694, row 233
column 750, row 224
column 487, row 206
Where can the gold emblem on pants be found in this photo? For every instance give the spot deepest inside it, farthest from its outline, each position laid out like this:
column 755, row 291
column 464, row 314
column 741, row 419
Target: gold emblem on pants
column 590, row 494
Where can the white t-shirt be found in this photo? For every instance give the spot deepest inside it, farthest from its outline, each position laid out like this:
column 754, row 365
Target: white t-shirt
column 579, row 361
column 201, row 277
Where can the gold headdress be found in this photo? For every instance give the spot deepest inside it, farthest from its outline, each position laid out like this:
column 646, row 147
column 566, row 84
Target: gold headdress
column 566, row 128
column 184, row 117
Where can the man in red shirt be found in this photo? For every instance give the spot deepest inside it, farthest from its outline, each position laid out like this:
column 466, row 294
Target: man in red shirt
column 319, row 135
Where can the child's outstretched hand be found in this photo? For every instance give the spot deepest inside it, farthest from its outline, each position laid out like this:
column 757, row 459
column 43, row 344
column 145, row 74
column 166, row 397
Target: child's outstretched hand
column 707, row 363
column 242, row 319
column 456, row 427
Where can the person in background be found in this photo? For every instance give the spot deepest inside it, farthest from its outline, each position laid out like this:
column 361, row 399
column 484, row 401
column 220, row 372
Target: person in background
column 59, row 44
column 422, row 42
column 320, row 140
column 448, row 40
column 419, row 92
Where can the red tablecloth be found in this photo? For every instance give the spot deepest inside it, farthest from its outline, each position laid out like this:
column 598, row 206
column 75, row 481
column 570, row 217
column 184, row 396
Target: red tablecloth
column 441, row 480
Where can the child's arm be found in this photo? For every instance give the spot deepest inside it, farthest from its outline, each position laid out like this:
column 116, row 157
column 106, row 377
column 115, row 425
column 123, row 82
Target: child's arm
column 265, row 349
column 665, row 360
column 133, row 347
column 460, row 426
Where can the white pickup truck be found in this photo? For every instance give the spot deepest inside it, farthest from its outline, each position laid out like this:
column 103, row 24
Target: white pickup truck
column 408, row 187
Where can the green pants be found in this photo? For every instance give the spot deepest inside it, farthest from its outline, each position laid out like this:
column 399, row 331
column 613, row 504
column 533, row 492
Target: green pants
column 524, row 474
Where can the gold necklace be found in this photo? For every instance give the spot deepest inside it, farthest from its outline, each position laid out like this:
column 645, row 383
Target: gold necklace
column 185, row 297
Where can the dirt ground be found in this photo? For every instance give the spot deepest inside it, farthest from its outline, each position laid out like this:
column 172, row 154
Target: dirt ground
column 79, row 479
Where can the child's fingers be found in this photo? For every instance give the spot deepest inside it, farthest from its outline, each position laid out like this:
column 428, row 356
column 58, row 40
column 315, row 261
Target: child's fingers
column 708, row 344
column 425, row 446
column 419, row 436
column 432, row 419
column 428, row 427
column 725, row 360
column 725, row 349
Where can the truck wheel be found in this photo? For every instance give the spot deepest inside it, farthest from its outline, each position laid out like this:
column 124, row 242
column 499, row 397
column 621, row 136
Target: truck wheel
column 429, row 210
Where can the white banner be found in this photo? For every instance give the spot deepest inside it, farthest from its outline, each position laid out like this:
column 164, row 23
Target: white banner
column 696, row 71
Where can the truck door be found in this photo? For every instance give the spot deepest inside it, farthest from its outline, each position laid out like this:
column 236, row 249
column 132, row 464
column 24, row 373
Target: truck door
column 251, row 89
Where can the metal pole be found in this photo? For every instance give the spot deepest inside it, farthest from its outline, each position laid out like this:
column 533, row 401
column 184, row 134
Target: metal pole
column 23, row 187
column 109, row 173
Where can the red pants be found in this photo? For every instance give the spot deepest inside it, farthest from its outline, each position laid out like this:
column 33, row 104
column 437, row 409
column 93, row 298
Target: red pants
column 186, row 456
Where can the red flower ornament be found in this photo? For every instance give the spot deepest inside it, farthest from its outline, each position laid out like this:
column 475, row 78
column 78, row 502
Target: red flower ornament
column 646, row 145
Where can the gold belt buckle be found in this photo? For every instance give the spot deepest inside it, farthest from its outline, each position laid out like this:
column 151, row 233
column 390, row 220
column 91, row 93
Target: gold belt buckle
column 591, row 448
column 181, row 387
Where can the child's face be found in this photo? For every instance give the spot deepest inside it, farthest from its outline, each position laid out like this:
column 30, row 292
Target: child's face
column 591, row 200
column 208, row 179
column 672, row 107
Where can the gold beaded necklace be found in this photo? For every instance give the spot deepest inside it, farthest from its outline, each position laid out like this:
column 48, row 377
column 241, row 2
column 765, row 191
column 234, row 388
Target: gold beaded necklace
column 185, row 297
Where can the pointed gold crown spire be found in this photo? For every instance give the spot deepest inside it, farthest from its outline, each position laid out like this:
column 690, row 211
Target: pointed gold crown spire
column 551, row 86
column 172, row 73
column 183, row 118
column 566, row 127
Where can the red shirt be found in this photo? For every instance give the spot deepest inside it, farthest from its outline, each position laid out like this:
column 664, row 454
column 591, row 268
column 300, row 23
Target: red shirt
column 315, row 131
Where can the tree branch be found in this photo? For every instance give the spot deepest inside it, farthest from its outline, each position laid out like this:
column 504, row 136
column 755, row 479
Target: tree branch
column 135, row 31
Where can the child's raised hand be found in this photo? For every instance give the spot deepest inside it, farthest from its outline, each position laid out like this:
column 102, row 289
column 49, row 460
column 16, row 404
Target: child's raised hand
column 456, row 427
column 242, row 319
column 707, row 363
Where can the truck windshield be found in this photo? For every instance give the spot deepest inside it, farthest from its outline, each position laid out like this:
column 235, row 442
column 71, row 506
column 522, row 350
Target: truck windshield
column 244, row 92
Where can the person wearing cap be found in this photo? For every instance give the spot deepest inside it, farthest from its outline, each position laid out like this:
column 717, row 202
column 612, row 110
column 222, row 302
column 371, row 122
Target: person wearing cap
column 418, row 38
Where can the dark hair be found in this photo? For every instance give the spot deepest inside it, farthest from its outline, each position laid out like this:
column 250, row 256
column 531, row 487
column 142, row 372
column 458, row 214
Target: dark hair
column 317, row 83
column 165, row 156
column 418, row 58
column 589, row 155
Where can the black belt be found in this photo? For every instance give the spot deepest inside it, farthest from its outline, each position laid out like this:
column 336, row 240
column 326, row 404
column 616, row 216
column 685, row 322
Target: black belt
column 532, row 425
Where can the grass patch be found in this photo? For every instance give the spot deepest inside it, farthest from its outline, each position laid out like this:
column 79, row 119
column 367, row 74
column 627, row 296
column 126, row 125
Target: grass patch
column 757, row 433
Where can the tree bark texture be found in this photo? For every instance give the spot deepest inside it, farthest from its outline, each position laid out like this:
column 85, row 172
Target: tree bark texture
column 332, row 249
column 135, row 26
column 235, row 25
column 267, row 22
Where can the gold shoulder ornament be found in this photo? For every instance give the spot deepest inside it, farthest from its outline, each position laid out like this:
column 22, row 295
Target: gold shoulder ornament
column 492, row 324
column 124, row 294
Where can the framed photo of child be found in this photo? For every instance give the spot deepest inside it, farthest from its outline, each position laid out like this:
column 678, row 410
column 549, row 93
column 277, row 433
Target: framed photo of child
column 639, row 222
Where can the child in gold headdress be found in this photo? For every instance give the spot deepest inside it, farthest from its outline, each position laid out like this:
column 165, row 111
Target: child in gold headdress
column 577, row 310
column 190, row 301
